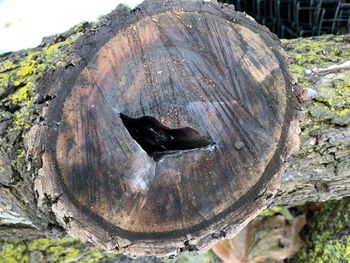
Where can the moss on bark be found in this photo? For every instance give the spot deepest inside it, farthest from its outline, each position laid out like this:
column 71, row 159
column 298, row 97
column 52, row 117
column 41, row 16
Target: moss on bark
column 329, row 238
column 51, row 250
column 72, row 250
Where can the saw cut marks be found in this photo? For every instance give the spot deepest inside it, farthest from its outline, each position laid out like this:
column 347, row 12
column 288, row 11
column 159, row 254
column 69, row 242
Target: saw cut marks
column 146, row 153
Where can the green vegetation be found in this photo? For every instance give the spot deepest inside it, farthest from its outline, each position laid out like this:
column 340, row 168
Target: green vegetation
column 207, row 257
column 19, row 72
column 329, row 239
column 72, row 250
column 50, row 250
column 318, row 51
column 277, row 210
column 18, row 75
column 331, row 103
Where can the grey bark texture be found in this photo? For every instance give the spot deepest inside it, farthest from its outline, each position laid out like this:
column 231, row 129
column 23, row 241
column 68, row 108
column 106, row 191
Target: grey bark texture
column 319, row 171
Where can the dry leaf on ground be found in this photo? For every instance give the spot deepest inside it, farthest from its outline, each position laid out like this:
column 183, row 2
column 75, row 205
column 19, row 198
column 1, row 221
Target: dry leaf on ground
column 269, row 238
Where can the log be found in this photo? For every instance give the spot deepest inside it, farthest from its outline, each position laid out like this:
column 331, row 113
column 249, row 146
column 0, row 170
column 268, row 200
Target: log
column 169, row 131
column 320, row 170
column 25, row 215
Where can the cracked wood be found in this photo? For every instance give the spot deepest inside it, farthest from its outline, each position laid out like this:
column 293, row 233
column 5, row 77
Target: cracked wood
column 188, row 65
column 196, row 67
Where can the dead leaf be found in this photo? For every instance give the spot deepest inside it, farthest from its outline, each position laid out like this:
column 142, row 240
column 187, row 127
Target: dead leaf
column 264, row 239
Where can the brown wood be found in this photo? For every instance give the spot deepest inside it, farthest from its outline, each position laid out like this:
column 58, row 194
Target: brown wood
column 169, row 131
column 318, row 171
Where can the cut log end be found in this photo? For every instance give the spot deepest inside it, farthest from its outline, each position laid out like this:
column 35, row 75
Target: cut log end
column 171, row 131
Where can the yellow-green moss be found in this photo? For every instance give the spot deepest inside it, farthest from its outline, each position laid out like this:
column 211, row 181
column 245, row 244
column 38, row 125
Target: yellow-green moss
column 22, row 119
column 7, row 65
column 329, row 240
column 51, row 250
column 13, row 253
column 294, row 68
column 23, row 95
column 21, row 153
column 24, row 71
column 342, row 112
column 50, row 50
column 32, row 55
column 20, row 76
column 4, row 80
column 323, row 50
column 330, row 106
column 68, row 249
column 318, row 51
column 277, row 210
column 206, row 257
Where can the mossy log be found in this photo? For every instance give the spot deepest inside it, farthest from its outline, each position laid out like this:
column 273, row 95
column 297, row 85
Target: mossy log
column 24, row 214
column 320, row 170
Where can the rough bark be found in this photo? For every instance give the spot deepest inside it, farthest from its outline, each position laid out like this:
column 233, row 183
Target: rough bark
column 319, row 171
column 329, row 238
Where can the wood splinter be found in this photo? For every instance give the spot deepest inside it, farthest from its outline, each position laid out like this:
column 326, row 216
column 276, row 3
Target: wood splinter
column 170, row 131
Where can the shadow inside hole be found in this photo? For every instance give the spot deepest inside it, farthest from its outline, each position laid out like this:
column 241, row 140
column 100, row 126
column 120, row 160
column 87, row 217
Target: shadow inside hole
column 158, row 140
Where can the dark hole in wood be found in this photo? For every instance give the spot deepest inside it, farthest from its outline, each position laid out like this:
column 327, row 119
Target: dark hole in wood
column 158, row 140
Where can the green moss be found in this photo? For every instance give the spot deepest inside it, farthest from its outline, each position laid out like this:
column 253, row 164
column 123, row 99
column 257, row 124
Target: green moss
column 296, row 69
column 328, row 251
column 20, row 75
column 24, row 71
column 277, row 210
column 326, row 48
column 206, row 257
column 329, row 240
column 23, row 95
column 342, row 112
column 7, row 65
column 50, row 50
column 13, row 253
column 21, row 153
column 21, row 119
column 4, row 80
column 32, row 55
column 330, row 106
column 51, row 250
column 284, row 41
column 20, row 157
column 318, row 51
column 337, row 96
column 308, row 53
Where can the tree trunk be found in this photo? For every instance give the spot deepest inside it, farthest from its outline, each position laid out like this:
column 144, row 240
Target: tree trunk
column 320, row 170
column 317, row 172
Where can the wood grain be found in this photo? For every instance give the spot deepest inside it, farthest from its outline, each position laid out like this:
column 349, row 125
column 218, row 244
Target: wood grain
column 197, row 73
